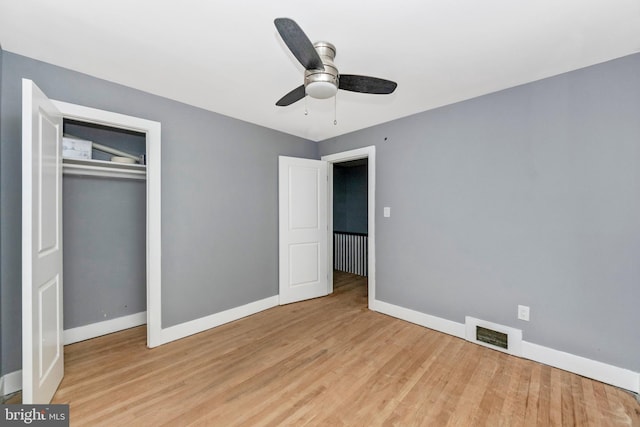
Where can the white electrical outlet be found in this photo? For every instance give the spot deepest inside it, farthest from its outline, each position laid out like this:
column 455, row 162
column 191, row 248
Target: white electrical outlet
column 523, row 312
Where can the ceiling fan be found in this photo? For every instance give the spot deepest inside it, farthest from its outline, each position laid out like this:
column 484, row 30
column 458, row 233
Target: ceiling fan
column 321, row 77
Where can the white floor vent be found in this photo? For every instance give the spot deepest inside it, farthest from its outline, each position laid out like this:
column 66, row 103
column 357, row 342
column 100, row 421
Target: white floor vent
column 492, row 335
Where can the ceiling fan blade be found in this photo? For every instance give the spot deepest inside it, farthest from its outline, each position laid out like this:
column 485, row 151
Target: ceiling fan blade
column 294, row 96
column 366, row 84
column 298, row 43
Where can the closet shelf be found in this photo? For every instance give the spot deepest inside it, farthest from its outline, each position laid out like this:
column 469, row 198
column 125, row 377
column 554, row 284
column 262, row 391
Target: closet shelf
column 101, row 168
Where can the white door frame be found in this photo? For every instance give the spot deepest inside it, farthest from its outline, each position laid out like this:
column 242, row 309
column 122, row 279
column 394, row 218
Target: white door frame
column 359, row 153
column 153, row 183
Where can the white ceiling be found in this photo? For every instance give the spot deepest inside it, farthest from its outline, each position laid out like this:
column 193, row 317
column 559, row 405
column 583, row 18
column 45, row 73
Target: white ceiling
column 226, row 56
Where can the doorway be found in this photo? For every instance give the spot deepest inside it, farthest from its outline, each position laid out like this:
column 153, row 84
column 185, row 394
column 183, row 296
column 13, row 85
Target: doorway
column 350, row 228
column 361, row 155
column 305, row 232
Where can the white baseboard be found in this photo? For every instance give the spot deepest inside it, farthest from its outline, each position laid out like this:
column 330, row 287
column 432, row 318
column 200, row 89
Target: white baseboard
column 11, row 383
column 619, row 377
column 94, row 330
column 192, row 327
column 432, row 322
column 606, row 373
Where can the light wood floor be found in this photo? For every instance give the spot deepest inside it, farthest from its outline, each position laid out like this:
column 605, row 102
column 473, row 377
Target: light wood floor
column 327, row 361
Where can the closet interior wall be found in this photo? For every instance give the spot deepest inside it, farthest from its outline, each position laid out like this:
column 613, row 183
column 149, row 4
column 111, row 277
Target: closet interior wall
column 104, row 235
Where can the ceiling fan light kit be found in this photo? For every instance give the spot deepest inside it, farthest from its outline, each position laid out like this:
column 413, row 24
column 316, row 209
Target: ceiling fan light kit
column 321, row 90
column 322, row 84
column 321, row 77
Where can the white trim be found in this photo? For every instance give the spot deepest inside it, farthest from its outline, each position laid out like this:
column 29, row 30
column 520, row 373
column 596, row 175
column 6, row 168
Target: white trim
column 27, row 241
column 604, row 372
column 105, row 327
column 428, row 321
column 514, row 335
column 359, row 153
column 11, row 383
column 152, row 130
column 599, row 371
column 185, row 329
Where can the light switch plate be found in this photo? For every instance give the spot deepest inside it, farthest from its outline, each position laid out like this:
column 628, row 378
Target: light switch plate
column 386, row 212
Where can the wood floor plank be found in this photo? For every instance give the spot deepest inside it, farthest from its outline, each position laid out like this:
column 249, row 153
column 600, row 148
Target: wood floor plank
column 328, row 361
column 568, row 403
column 579, row 407
column 534, row 397
column 544, row 399
column 556, row 406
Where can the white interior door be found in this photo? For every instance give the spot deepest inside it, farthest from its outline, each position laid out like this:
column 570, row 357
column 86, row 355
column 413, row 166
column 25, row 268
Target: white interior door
column 42, row 345
column 303, row 229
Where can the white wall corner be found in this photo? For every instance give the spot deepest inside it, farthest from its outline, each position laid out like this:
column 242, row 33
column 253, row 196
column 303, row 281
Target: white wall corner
column 192, row 327
column 94, row 330
column 11, row 383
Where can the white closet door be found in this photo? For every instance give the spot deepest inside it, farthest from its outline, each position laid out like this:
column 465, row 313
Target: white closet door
column 42, row 345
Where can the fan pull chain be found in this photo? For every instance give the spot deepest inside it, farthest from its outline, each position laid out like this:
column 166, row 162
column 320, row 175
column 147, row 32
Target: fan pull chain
column 306, row 112
column 335, row 110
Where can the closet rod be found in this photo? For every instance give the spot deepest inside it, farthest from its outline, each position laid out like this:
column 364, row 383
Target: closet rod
column 100, row 171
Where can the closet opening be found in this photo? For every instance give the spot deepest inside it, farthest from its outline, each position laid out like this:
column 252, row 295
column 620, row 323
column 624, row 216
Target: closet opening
column 104, row 204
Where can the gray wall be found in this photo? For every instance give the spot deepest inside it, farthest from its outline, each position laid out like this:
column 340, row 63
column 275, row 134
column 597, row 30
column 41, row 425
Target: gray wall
column 219, row 196
column 526, row 196
column 350, row 198
column 104, row 241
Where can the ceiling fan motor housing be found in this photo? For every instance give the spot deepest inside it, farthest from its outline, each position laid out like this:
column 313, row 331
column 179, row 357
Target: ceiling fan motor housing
column 322, row 84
